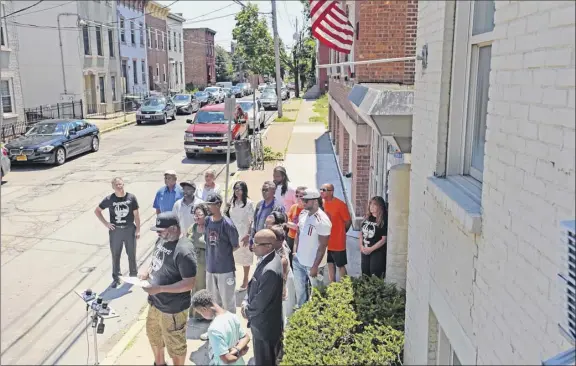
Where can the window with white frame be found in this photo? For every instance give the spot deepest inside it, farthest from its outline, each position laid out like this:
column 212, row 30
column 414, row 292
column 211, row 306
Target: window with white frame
column 164, row 75
column 102, row 87
column 86, row 39
column 446, row 354
column 143, row 72
column 157, row 46
column 122, row 30
column 99, row 46
column 3, row 29
column 135, row 71
column 158, row 72
column 111, row 42
column 180, row 42
column 7, row 97
column 132, row 33
column 113, row 85
column 470, row 82
column 163, row 35
column 149, row 39
column 141, row 33
column 170, row 42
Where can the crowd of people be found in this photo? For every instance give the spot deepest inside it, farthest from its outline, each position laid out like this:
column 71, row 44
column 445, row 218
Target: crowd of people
column 296, row 234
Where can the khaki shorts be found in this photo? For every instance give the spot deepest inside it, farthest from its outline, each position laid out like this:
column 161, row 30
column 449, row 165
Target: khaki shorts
column 167, row 330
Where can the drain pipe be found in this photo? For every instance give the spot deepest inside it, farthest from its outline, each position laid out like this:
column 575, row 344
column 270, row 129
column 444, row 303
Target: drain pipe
column 80, row 22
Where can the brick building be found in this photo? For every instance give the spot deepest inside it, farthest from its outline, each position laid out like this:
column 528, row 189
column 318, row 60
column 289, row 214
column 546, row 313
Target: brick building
column 322, row 57
column 356, row 122
column 492, row 177
column 157, row 43
column 199, row 57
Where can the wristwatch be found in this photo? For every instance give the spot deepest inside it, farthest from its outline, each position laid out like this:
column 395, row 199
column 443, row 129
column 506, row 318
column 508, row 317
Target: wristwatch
column 237, row 351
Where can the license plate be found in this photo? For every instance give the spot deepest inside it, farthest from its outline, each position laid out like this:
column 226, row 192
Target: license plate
column 207, row 149
column 146, row 116
column 21, row 158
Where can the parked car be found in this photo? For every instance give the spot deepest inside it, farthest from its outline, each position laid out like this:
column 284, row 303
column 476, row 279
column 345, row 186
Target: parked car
column 204, row 98
column 227, row 92
column 224, row 84
column 185, row 103
column 285, row 93
column 248, row 108
column 4, row 162
column 217, row 92
column 133, row 102
column 237, row 91
column 156, row 109
column 261, row 87
column 209, row 130
column 54, row 141
column 246, row 88
column 269, row 99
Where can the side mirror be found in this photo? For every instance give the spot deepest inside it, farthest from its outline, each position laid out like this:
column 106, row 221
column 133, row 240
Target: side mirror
column 189, row 120
column 72, row 132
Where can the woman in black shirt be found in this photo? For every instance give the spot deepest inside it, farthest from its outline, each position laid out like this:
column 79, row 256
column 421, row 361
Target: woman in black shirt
column 373, row 238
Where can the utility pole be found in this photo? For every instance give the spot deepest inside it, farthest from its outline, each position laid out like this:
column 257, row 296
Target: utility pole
column 277, row 57
column 296, row 62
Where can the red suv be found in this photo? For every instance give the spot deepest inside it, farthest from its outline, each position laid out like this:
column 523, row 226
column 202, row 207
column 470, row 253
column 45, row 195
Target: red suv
column 209, row 130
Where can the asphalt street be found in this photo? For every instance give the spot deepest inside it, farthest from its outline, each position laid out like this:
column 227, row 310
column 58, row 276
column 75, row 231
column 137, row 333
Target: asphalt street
column 53, row 246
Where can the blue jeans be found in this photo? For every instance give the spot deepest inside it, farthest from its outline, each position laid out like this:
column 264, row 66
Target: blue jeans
column 302, row 281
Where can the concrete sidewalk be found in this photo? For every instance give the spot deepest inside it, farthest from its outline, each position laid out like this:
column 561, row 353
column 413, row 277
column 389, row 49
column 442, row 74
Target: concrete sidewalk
column 111, row 124
column 309, row 161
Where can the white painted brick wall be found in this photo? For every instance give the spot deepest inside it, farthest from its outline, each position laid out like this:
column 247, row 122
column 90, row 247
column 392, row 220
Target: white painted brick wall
column 13, row 69
column 500, row 285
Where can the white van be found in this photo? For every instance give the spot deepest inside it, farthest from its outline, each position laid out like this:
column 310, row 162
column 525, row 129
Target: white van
column 224, row 84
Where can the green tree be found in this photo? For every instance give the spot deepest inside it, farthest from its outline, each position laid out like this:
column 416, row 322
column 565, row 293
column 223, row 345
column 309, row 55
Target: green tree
column 224, row 68
column 255, row 45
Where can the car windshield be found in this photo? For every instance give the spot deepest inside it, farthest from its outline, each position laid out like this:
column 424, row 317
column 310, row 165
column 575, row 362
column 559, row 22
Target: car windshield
column 181, row 97
column 47, row 129
column 210, row 117
column 154, row 102
column 268, row 95
column 246, row 106
column 201, row 94
column 227, row 89
column 211, row 90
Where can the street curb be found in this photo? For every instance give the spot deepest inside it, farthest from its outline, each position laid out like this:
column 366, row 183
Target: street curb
column 131, row 334
column 118, row 126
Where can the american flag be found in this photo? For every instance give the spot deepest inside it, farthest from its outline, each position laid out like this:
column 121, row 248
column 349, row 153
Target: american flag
column 330, row 25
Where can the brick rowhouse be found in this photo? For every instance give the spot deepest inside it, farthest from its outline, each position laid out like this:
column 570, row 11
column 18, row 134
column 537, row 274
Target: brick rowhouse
column 383, row 29
column 199, row 57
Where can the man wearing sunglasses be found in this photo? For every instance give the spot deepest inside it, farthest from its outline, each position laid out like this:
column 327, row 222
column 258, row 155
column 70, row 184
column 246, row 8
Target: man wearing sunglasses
column 339, row 216
column 262, row 305
column 310, row 245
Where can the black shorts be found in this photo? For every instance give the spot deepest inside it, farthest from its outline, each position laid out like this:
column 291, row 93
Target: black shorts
column 338, row 258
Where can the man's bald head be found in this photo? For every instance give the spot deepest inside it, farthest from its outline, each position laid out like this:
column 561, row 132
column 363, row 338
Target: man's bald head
column 327, row 191
column 263, row 242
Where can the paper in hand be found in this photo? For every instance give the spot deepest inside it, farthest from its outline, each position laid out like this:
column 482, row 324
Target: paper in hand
column 135, row 281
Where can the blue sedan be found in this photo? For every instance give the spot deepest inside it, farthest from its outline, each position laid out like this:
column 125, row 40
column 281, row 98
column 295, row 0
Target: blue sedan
column 54, row 141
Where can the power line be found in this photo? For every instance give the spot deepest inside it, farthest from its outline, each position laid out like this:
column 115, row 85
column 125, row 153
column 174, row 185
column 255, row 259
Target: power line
column 203, row 15
column 23, row 9
column 37, row 11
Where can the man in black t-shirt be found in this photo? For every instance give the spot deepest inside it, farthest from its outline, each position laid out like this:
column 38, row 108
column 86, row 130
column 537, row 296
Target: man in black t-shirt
column 172, row 275
column 124, row 227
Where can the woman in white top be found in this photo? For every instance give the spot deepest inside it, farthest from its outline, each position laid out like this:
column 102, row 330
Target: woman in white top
column 285, row 194
column 209, row 186
column 241, row 212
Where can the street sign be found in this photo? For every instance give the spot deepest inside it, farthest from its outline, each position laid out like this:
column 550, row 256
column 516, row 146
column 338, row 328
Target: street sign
column 229, row 108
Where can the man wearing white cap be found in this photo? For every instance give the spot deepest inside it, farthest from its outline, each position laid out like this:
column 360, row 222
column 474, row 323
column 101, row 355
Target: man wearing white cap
column 310, row 245
column 169, row 194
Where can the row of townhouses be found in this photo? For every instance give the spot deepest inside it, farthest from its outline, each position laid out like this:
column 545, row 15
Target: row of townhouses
column 97, row 52
column 472, row 144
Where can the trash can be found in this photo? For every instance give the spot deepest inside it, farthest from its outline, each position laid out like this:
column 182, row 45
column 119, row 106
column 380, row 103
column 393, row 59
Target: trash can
column 243, row 153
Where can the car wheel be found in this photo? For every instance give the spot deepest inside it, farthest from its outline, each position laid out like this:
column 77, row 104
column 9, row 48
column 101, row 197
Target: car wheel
column 95, row 144
column 59, row 156
column 138, row 122
column 165, row 118
column 190, row 155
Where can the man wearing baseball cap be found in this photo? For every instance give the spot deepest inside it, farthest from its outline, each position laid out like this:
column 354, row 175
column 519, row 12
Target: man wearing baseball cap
column 169, row 194
column 310, row 245
column 183, row 207
column 172, row 275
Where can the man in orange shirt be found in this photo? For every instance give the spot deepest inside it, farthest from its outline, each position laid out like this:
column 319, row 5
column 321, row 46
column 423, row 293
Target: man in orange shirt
column 293, row 215
column 338, row 213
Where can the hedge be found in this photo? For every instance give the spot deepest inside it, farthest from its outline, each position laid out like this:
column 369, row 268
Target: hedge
column 352, row 322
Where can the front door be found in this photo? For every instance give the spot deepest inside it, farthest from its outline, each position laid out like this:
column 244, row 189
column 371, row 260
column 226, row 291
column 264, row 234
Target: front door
column 90, row 93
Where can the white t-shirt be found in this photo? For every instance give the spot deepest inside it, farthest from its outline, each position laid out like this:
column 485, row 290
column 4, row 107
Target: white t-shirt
column 310, row 227
column 202, row 192
column 184, row 212
column 286, row 200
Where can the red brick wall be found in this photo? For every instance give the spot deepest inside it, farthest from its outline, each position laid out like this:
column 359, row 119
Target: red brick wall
column 323, row 57
column 339, row 92
column 387, row 29
column 336, row 134
column 341, row 147
column 360, row 178
column 199, row 59
column 157, row 56
column 345, row 151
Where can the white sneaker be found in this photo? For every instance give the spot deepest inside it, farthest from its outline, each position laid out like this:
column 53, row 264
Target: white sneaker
column 204, row 337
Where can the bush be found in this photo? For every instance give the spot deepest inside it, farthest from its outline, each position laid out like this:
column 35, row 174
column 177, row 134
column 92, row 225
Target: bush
column 271, row 155
column 330, row 330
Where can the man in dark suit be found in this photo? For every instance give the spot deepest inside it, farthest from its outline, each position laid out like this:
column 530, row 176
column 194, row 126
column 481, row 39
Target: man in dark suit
column 262, row 305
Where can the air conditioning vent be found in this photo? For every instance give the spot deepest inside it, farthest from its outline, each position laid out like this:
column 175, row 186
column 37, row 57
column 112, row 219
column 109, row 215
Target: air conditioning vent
column 568, row 275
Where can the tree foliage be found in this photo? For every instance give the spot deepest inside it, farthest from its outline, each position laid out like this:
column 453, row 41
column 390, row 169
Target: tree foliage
column 255, row 45
column 224, row 68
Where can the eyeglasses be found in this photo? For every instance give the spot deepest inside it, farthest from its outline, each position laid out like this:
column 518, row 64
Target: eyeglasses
column 261, row 244
column 325, row 190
